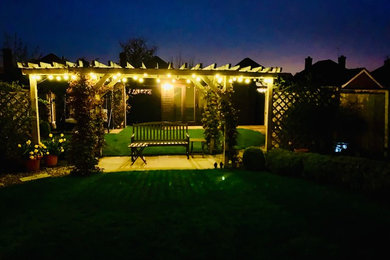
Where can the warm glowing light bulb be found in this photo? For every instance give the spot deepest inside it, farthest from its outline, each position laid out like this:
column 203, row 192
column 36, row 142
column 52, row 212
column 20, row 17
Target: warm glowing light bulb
column 188, row 81
column 167, row 86
column 219, row 80
column 66, row 77
column 197, row 79
column 193, row 75
column 230, row 81
column 73, row 77
column 58, row 78
column 50, row 77
column 124, row 79
column 145, row 74
column 240, row 79
column 173, row 80
column 269, row 80
column 234, row 79
column 38, row 77
column 217, row 76
column 135, row 77
column 247, row 81
column 169, row 75
column 141, row 80
column 158, row 80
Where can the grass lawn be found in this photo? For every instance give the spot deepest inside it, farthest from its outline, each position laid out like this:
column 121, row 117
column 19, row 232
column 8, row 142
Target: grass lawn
column 116, row 144
column 197, row 214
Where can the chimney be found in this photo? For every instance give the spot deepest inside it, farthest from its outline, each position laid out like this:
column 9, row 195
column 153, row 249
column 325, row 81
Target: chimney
column 8, row 61
column 308, row 63
column 341, row 61
column 122, row 60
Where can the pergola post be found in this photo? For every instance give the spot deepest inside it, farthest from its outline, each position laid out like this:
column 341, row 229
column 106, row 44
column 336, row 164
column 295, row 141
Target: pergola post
column 124, row 105
column 268, row 114
column 34, row 109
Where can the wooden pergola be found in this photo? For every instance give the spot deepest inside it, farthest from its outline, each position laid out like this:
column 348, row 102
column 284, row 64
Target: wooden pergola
column 106, row 76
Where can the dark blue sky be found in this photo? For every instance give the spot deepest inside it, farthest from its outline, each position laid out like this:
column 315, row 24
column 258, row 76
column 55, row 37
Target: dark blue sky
column 273, row 33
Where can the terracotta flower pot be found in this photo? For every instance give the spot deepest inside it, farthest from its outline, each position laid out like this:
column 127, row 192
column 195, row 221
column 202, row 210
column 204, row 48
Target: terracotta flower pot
column 33, row 165
column 51, row 160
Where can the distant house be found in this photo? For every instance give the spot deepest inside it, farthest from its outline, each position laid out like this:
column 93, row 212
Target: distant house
column 382, row 74
column 362, row 91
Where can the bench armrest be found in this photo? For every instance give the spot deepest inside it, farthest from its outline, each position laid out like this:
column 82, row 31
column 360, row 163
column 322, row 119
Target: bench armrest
column 132, row 138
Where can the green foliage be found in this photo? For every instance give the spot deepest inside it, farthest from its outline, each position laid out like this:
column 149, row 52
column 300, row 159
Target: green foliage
column 15, row 120
column 229, row 121
column 136, row 51
column 28, row 150
column 253, row 159
column 284, row 162
column 55, row 145
column 44, row 129
column 117, row 117
column 353, row 172
column 210, row 119
column 88, row 136
column 309, row 121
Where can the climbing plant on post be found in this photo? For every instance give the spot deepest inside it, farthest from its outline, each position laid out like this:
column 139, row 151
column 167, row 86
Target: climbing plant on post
column 229, row 121
column 88, row 135
column 210, row 119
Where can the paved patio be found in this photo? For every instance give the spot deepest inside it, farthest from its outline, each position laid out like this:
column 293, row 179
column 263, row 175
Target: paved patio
column 163, row 162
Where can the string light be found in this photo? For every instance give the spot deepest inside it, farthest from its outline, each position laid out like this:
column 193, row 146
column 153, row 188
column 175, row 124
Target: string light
column 73, row 77
column 124, row 79
column 141, row 80
column 145, row 74
column 230, row 81
column 135, row 77
column 247, row 81
column 240, row 79
column 188, row 81
column 197, row 79
column 158, row 80
column 219, row 80
column 169, row 75
column 173, row 80
column 193, row 75
column 50, row 77
column 58, row 78
column 66, row 77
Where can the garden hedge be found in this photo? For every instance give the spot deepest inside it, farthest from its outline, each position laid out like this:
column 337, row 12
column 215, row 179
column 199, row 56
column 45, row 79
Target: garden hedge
column 353, row 172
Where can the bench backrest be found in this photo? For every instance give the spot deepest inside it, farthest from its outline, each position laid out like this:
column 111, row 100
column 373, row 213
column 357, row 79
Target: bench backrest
column 159, row 131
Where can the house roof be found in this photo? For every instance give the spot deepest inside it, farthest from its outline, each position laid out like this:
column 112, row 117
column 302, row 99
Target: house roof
column 382, row 74
column 248, row 62
column 327, row 73
column 362, row 80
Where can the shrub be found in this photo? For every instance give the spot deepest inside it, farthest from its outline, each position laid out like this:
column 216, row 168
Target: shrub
column 253, row 159
column 352, row 172
column 284, row 162
column 44, row 128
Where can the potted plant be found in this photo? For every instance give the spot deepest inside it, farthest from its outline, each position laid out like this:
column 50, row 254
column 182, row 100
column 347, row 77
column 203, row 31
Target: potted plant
column 32, row 154
column 54, row 147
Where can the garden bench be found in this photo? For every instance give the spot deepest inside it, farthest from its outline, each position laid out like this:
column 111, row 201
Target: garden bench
column 158, row 134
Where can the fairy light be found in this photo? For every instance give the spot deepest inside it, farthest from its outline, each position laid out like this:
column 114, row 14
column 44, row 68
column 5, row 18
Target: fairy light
column 247, row 81
column 141, row 80
column 135, row 77
column 158, row 80
column 66, row 77
column 50, row 77
column 198, row 79
column 124, row 79
column 240, row 79
column 73, row 77
column 188, row 81
column 58, row 78
column 169, row 75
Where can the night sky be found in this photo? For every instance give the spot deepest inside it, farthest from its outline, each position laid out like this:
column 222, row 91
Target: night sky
column 273, row 33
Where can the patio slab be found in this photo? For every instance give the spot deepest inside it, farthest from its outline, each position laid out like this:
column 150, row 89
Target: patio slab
column 164, row 162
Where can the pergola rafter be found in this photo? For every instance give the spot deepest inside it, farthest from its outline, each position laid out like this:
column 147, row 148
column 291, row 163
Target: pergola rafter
column 107, row 76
